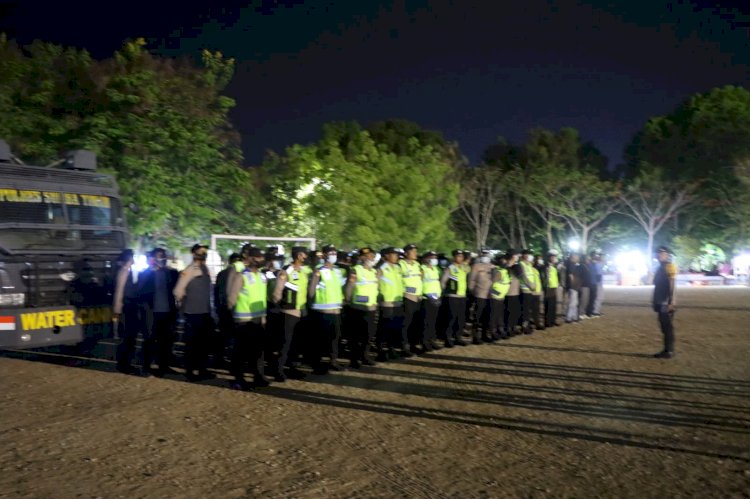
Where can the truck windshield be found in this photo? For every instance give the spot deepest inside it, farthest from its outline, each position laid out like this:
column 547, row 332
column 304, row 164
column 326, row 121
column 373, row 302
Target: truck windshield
column 62, row 220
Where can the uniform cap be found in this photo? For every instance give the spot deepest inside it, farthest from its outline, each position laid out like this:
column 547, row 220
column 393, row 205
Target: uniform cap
column 663, row 249
column 297, row 250
column 329, row 248
column 552, row 252
column 527, row 252
column 457, row 252
column 198, row 246
column 410, row 246
column 388, row 250
column 250, row 250
column 428, row 254
column 365, row 251
column 513, row 251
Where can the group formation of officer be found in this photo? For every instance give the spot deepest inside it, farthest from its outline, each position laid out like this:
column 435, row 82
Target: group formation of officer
column 279, row 314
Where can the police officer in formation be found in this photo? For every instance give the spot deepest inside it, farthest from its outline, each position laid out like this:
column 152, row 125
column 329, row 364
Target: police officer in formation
column 276, row 314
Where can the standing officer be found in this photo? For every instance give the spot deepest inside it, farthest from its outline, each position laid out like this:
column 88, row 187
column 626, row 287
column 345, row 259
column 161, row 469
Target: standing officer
column 411, row 271
column 247, row 295
column 326, row 291
column 454, row 282
column 125, row 310
column 155, row 294
column 664, row 299
column 573, row 278
column 513, row 298
column 540, row 275
column 193, row 296
column 290, row 294
column 597, row 285
column 529, row 288
column 551, row 283
column 432, row 292
column 224, row 314
column 361, row 294
column 480, row 282
column 391, row 306
column 501, row 281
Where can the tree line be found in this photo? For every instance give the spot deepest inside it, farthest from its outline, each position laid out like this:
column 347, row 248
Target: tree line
column 162, row 126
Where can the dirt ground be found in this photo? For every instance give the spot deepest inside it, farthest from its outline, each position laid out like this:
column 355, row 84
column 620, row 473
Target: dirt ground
column 577, row 411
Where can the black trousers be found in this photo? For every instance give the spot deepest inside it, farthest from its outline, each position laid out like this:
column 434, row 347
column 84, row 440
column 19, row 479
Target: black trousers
column 222, row 338
column 413, row 325
column 249, row 347
column 592, row 300
column 198, row 335
column 327, row 336
column 284, row 339
column 530, row 308
column 390, row 332
column 481, row 316
column 158, row 338
column 430, row 310
column 550, row 307
column 362, row 333
column 666, row 323
column 456, row 318
column 129, row 327
column 513, row 308
column 497, row 317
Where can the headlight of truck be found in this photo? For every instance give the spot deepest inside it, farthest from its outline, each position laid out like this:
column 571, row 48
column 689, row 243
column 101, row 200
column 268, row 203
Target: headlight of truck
column 12, row 299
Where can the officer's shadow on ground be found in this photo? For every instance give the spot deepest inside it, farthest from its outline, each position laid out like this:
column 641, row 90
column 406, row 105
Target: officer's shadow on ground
column 537, row 427
column 579, row 350
column 527, row 399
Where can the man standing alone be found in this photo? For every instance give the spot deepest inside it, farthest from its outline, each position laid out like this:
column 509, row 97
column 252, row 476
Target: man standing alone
column 664, row 299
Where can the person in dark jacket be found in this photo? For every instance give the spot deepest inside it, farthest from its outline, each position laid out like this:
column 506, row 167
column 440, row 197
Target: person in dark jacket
column 223, row 313
column 192, row 294
column 159, row 312
column 125, row 313
column 585, row 291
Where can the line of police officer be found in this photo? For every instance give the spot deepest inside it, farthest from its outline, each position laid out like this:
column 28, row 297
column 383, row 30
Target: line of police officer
column 279, row 315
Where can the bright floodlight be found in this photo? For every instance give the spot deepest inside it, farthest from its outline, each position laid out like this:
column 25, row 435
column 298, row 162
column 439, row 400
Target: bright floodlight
column 574, row 244
column 741, row 263
column 632, row 266
column 140, row 263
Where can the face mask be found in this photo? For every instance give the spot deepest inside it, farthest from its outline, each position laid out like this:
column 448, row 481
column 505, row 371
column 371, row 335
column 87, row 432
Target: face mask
column 368, row 263
column 433, row 261
column 276, row 264
column 161, row 262
column 540, row 262
column 484, row 259
column 331, row 259
column 529, row 258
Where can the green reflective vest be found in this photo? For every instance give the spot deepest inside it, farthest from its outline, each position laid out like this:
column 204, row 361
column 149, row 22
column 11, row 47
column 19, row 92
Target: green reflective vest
column 412, row 274
column 553, row 280
column 531, row 277
column 251, row 302
column 294, row 295
column 431, row 282
column 329, row 294
column 365, row 287
column 500, row 288
column 538, row 280
column 457, row 280
column 391, row 284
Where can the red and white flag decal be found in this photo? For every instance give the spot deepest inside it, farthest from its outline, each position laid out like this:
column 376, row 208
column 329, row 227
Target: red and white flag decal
column 7, row 323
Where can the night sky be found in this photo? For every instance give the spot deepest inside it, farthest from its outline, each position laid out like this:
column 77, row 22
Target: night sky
column 474, row 70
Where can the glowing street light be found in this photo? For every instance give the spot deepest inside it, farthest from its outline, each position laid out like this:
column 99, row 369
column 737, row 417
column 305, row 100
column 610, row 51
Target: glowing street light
column 574, row 244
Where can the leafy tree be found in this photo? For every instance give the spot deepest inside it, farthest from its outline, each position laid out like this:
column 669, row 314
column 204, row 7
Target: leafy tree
column 160, row 125
column 353, row 191
column 651, row 201
column 707, row 138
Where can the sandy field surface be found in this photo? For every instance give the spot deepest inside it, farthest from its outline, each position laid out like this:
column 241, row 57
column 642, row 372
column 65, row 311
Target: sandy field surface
column 577, row 411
